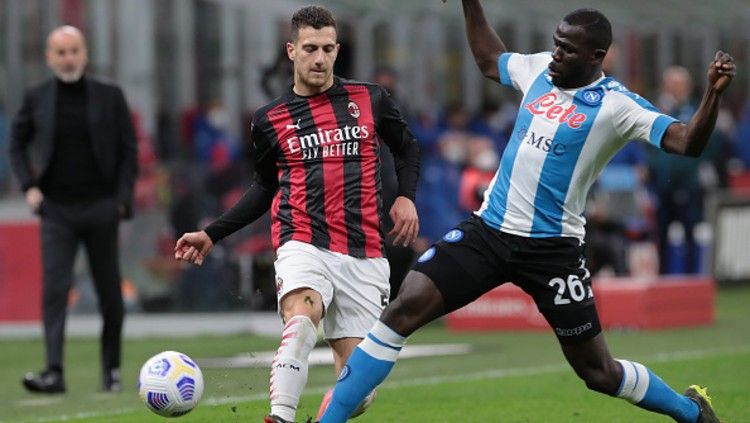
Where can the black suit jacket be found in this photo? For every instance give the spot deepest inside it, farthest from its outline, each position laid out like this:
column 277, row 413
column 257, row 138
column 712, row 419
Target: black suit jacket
column 112, row 135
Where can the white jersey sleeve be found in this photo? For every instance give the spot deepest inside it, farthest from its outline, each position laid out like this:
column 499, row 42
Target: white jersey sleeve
column 635, row 118
column 519, row 70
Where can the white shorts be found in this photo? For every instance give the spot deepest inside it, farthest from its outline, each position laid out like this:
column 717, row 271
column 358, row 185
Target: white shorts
column 355, row 290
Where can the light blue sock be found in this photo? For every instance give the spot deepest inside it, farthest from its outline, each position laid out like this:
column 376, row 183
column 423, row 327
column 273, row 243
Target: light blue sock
column 366, row 368
column 640, row 386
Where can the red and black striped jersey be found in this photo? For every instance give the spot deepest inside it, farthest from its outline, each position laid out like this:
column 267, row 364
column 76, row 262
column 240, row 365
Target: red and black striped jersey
column 319, row 156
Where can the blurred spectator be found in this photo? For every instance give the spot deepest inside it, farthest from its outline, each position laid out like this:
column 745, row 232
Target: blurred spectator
column 437, row 202
column 167, row 135
column 74, row 152
column 481, row 164
column 188, row 118
column 675, row 182
column 721, row 156
column 278, row 76
column 618, row 211
column 213, row 144
column 387, row 77
column 426, row 129
column 742, row 136
column 494, row 123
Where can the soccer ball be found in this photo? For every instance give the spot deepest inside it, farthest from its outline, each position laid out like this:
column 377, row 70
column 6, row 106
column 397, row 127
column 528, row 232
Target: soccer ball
column 170, row 384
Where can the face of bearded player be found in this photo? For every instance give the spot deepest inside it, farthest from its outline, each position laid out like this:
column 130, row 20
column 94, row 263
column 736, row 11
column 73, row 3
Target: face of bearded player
column 314, row 54
column 66, row 53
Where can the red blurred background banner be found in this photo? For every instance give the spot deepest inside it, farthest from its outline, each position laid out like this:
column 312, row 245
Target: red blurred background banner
column 20, row 271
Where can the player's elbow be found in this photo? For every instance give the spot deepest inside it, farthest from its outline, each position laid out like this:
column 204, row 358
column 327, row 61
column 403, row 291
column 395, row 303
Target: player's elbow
column 685, row 148
column 488, row 67
column 678, row 140
column 693, row 153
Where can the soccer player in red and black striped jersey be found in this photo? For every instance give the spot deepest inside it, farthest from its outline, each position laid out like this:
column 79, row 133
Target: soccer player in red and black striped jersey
column 318, row 170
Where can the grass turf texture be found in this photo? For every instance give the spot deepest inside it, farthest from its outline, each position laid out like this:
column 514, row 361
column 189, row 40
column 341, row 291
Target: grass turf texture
column 510, row 377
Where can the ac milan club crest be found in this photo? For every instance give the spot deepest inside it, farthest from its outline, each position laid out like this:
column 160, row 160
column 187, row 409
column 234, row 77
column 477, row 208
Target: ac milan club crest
column 353, row 109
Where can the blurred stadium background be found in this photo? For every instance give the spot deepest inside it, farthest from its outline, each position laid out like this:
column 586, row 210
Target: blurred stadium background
column 193, row 71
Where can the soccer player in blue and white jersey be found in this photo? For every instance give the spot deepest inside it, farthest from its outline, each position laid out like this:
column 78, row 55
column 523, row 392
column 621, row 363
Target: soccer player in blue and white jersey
column 530, row 228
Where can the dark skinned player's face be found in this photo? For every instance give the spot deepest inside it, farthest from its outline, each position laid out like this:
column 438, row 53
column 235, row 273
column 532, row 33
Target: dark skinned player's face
column 574, row 62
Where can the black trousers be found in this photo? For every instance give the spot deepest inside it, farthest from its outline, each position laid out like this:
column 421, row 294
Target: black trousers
column 64, row 227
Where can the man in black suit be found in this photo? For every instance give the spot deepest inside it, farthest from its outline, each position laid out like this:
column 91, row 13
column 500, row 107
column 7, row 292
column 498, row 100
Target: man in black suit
column 73, row 150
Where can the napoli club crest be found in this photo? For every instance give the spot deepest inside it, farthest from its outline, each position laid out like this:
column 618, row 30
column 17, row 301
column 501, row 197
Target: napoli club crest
column 454, row 235
column 353, row 109
column 592, row 97
column 427, row 255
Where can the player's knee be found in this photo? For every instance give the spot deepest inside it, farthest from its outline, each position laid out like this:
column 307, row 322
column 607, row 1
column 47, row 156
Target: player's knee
column 410, row 311
column 601, row 379
column 303, row 302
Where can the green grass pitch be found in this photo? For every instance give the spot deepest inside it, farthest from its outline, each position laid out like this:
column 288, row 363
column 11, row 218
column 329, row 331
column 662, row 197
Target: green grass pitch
column 509, row 377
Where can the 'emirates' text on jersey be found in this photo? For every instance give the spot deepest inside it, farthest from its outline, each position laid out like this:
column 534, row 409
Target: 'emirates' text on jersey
column 322, row 152
column 561, row 141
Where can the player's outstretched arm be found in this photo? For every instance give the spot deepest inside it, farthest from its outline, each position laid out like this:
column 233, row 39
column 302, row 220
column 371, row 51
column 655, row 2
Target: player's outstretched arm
column 193, row 247
column 691, row 139
column 486, row 45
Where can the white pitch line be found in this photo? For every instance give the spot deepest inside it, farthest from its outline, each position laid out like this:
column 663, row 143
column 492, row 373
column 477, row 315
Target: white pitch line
column 483, row 375
column 321, row 356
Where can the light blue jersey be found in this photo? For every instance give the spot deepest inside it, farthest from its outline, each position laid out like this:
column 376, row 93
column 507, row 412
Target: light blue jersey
column 561, row 141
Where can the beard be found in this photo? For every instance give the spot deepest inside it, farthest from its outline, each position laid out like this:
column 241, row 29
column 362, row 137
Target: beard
column 69, row 76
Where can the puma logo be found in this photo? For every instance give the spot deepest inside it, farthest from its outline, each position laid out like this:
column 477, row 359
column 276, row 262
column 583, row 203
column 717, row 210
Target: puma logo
column 295, row 126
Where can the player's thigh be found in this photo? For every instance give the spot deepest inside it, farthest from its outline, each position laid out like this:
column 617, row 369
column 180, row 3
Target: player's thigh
column 303, row 284
column 466, row 263
column 361, row 291
column 553, row 272
column 419, row 302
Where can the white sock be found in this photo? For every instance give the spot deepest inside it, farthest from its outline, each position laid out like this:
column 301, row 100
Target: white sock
column 635, row 380
column 289, row 367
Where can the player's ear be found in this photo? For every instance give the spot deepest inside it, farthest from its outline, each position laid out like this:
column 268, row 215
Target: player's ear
column 290, row 51
column 598, row 56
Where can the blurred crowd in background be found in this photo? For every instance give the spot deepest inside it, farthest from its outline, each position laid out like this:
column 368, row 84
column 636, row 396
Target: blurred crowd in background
column 648, row 213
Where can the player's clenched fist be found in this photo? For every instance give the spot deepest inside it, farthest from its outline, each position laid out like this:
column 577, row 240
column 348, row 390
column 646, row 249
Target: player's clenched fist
column 193, row 247
column 721, row 71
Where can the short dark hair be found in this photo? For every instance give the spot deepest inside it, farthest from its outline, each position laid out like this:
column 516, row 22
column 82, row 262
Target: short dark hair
column 596, row 25
column 314, row 16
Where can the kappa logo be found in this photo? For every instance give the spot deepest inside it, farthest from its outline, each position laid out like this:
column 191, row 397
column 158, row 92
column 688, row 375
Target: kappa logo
column 295, row 126
column 279, row 284
column 353, row 109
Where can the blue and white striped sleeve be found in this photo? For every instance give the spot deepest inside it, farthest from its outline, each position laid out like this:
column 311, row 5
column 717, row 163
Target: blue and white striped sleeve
column 635, row 118
column 520, row 70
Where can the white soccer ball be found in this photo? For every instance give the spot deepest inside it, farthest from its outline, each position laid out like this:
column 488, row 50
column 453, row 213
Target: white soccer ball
column 170, row 384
